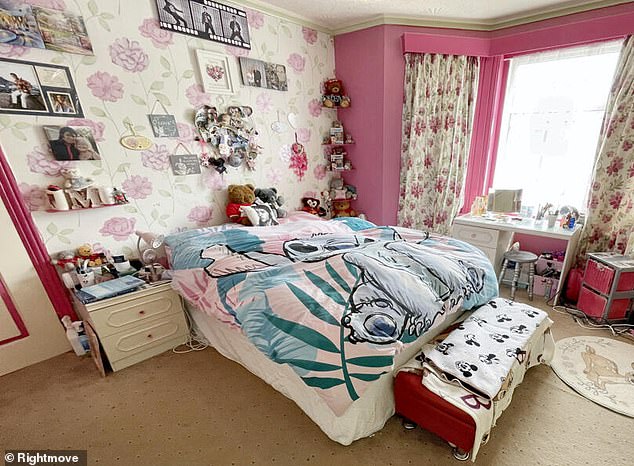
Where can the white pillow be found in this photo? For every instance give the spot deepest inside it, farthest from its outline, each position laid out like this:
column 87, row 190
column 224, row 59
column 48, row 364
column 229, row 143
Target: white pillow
column 260, row 215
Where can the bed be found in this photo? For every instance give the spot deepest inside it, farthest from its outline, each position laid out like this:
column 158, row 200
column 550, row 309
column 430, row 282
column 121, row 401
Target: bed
column 326, row 311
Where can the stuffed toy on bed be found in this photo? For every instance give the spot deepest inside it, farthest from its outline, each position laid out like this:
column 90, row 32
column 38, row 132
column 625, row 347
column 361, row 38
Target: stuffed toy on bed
column 269, row 196
column 239, row 195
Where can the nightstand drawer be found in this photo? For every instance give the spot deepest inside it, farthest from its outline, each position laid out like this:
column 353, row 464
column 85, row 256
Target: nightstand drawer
column 125, row 344
column 476, row 236
column 116, row 318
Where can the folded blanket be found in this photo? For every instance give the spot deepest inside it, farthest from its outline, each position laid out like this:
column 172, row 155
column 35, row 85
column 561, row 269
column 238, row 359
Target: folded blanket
column 482, row 350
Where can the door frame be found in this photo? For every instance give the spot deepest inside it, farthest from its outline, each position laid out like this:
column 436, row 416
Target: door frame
column 29, row 234
column 13, row 312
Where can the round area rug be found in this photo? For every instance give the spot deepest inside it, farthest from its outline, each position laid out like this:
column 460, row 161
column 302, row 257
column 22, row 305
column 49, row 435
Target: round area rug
column 600, row 369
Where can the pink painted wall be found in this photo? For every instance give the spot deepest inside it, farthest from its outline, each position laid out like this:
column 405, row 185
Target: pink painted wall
column 380, row 90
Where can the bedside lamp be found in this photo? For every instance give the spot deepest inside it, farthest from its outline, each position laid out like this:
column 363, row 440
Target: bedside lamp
column 150, row 255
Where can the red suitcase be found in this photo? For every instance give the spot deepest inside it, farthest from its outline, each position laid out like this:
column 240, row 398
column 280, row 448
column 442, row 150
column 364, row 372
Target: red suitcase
column 416, row 403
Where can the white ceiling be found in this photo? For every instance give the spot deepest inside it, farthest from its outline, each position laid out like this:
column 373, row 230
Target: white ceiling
column 342, row 15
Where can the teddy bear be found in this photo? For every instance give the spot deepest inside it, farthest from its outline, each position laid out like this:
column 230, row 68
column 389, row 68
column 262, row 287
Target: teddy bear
column 342, row 208
column 74, row 180
column 269, row 196
column 334, row 94
column 311, row 205
column 337, row 190
column 239, row 195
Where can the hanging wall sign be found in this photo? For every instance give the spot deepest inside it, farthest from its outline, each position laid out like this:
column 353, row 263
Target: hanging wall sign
column 205, row 19
column 185, row 163
column 28, row 88
column 163, row 125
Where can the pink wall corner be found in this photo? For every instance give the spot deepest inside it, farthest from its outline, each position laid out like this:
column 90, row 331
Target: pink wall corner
column 362, row 76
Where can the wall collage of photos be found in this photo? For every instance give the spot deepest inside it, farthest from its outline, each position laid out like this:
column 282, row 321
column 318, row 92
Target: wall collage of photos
column 30, row 88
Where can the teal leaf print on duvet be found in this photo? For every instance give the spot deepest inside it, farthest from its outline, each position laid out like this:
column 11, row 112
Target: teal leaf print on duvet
column 317, row 340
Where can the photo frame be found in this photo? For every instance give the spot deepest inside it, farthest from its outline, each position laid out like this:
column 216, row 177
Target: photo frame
column 19, row 25
column 258, row 73
column 205, row 19
column 215, row 72
column 30, row 88
column 72, row 143
column 63, row 31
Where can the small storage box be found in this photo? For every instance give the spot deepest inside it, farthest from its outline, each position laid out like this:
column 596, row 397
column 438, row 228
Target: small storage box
column 545, row 286
column 594, row 305
column 600, row 273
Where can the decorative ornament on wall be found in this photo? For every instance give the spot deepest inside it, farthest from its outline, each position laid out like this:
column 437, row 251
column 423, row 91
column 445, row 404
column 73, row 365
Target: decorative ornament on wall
column 134, row 141
column 163, row 125
column 40, row 89
column 298, row 161
column 185, row 163
column 206, row 20
column 215, row 72
column 232, row 138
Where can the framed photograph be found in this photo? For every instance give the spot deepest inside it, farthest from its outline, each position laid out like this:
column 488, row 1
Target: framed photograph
column 163, row 126
column 18, row 25
column 61, row 102
column 263, row 74
column 185, row 164
column 205, row 19
column 29, row 88
column 72, row 143
column 215, row 72
column 63, row 31
column 20, row 90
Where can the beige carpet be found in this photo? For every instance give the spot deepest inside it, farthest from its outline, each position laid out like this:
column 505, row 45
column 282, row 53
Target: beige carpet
column 201, row 409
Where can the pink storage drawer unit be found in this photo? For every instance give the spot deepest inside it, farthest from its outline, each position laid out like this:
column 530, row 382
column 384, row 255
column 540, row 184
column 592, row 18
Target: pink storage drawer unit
column 594, row 305
column 600, row 275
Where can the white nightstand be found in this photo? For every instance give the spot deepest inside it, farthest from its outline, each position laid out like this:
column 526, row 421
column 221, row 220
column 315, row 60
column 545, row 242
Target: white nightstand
column 135, row 326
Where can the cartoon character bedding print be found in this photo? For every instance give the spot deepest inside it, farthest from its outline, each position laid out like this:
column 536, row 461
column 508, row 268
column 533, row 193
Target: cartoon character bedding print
column 337, row 306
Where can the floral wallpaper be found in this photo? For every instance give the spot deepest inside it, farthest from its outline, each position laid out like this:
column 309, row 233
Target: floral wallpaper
column 135, row 64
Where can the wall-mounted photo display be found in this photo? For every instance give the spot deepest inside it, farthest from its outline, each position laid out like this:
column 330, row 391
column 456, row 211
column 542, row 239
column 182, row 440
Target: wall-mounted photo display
column 72, row 143
column 63, row 31
column 18, row 25
column 34, row 26
column 215, row 72
column 185, row 164
column 258, row 73
column 205, row 19
column 29, row 88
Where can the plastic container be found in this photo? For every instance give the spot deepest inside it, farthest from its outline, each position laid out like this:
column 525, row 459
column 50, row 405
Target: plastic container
column 72, row 333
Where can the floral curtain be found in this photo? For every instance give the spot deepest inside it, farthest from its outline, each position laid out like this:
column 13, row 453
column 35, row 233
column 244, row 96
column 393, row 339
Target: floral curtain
column 437, row 121
column 610, row 219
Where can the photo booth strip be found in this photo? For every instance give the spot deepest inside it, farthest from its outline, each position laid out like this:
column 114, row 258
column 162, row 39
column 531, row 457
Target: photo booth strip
column 222, row 16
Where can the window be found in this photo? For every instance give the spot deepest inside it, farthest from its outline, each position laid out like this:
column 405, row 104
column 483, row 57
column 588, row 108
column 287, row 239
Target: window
column 551, row 123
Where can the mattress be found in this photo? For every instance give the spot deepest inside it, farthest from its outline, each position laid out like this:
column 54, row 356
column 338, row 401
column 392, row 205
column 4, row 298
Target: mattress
column 363, row 418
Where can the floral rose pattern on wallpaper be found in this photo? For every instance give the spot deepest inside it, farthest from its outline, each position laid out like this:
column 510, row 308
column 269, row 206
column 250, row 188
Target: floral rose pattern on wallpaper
column 136, row 63
column 610, row 221
column 437, row 123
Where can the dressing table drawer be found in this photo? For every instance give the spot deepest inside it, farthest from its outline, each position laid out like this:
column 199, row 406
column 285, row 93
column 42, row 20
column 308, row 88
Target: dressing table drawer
column 476, row 236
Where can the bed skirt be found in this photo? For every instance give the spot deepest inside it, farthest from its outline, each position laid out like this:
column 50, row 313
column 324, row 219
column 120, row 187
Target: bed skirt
column 363, row 418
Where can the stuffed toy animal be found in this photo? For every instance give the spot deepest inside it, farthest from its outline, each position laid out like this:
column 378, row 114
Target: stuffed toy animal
column 269, row 196
column 342, row 208
column 239, row 195
column 311, row 205
column 74, row 180
column 334, row 94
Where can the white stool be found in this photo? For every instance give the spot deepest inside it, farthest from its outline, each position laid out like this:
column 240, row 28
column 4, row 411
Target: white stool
column 520, row 258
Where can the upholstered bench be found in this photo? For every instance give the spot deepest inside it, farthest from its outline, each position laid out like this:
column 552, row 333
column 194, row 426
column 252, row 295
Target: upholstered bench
column 460, row 383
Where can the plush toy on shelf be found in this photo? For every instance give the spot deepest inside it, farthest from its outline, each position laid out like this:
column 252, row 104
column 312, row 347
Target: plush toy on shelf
column 311, row 205
column 239, row 195
column 74, row 180
column 342, row 208
column 86, row 253
column 269, row 196
column 334, row 94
